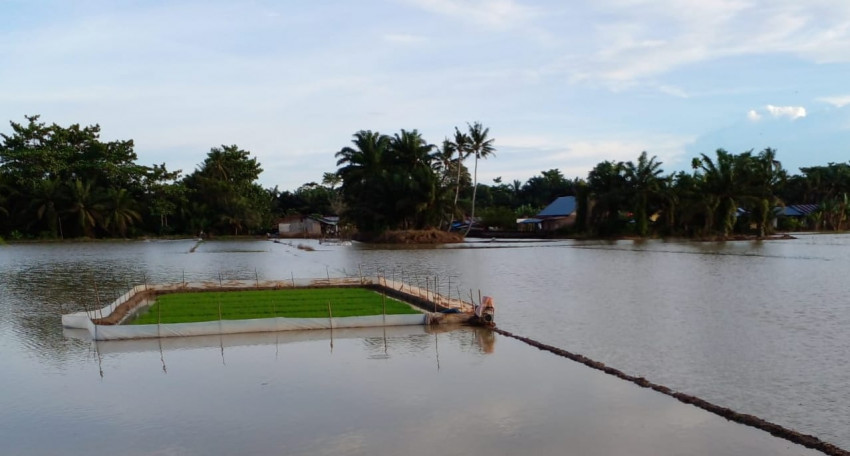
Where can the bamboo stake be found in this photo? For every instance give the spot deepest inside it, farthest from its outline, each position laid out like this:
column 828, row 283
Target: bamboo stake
column 97, row 299
column 219, row 306
column 331, row 321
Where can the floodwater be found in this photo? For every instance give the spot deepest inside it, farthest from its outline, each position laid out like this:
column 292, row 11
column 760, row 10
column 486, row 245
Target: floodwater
column 759, row 327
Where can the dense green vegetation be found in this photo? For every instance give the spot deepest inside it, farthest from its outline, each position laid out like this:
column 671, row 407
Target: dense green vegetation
column 64, row 182
column 291, row 303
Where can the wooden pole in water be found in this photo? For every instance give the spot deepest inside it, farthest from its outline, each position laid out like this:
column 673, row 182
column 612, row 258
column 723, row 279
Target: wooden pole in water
column 471, row 299
column 86, row 308
column 434, row 296
column 479, row 296
column 97, row 298
column 184, row 278
column 360, row 269
column 256, row 278
column 293, row 278
column 331, row 320
column 219, row 304
column 328, row 272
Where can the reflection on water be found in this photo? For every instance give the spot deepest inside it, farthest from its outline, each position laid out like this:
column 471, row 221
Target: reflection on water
column 760, row 327
column 288, row 393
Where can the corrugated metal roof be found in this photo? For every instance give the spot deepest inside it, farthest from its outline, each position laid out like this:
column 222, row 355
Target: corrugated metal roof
column 798, row 210
column 564, row 205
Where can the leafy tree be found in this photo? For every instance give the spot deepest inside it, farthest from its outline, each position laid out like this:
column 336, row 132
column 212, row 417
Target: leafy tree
column 543, row 189
column 224, row 189
column 163, row 194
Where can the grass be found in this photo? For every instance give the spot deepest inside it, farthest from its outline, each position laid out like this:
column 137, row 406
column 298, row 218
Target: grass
column 293, row 303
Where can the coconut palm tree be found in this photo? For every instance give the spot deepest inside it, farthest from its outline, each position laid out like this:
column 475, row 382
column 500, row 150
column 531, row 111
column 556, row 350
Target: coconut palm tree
column 607, row 194
column 119, row 211
column 461, row 145
column 481, row 147
column 363, row 172
column 84, row 206
column 765, row 176
column 721, row 185
column 643, row 178
column 414, row 183
column 46, row 199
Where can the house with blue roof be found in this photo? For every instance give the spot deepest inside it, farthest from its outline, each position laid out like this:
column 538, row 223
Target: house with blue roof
column 558, row 214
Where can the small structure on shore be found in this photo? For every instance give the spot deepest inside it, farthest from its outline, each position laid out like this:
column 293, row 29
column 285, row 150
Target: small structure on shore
column 109, row 323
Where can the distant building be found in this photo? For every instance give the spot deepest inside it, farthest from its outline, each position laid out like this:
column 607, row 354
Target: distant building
column 307, row 226
column 558, row 214
column 800, row 212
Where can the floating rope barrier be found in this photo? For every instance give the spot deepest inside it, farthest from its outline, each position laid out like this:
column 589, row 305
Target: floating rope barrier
column 806, row 440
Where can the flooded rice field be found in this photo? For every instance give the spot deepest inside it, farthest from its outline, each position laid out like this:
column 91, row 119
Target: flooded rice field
column 761, row 328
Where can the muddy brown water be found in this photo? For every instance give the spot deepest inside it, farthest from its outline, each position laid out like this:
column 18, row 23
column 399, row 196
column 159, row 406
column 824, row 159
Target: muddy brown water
column 759, row 328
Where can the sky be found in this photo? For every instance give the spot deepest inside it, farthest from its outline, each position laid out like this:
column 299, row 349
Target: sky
column 559, row 84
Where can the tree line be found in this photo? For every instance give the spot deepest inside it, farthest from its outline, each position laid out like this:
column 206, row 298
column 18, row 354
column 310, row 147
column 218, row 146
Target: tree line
column 64, row 182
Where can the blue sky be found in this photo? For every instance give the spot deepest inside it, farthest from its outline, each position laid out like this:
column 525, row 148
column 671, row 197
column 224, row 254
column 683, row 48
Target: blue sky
column 560, row 84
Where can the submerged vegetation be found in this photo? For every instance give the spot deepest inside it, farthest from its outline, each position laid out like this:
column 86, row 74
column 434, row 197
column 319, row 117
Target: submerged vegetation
column 291, row 303
column 64, row 182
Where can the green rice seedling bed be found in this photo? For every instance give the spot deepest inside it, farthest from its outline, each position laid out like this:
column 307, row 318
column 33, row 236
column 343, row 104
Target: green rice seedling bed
column 292, row 303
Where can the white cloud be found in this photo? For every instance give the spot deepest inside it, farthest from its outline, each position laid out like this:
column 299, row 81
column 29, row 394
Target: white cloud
column 637, row 39
column 791, row 112
column 838, row 102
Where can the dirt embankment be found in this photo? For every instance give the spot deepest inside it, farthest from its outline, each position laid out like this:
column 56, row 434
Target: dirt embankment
column 413, row 237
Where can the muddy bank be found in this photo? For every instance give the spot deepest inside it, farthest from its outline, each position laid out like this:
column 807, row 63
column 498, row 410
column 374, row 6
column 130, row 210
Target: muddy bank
column 774, row 429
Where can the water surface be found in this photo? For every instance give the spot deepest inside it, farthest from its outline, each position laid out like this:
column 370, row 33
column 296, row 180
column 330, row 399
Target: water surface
column 757, row 327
